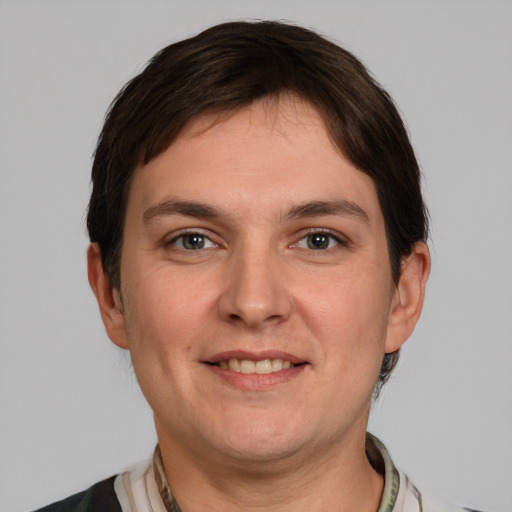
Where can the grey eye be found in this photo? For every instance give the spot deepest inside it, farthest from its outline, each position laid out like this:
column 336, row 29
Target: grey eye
column 318, row 241
column 193, row 242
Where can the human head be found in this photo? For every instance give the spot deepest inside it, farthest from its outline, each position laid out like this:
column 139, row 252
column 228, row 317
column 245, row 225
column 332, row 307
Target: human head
column 229, row 66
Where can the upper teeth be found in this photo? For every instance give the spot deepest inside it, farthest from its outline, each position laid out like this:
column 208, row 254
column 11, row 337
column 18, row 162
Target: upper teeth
column 263, row 366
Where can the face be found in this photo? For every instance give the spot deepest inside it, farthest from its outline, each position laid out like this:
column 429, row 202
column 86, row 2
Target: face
column 256, row 291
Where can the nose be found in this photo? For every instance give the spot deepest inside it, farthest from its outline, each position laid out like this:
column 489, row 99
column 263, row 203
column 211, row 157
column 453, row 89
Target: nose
column 255, row 292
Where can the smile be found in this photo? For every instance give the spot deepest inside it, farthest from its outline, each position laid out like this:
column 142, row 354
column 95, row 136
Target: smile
column 249, row 371
column 261, row 367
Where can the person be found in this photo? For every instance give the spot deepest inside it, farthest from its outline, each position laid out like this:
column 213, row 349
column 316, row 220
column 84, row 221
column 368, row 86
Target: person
column 259, row 246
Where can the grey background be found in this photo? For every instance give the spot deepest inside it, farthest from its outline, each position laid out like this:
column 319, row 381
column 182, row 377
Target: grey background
column 70, row 411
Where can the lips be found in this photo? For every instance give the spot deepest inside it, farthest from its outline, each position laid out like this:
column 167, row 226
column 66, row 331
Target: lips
column 250, row 363
column 261, row 366
column 256, row 371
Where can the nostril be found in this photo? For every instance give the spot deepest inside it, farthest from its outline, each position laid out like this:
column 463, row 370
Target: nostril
column 255, row 319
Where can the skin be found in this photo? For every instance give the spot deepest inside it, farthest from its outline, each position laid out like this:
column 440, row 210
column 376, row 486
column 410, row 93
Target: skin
column 258, row 289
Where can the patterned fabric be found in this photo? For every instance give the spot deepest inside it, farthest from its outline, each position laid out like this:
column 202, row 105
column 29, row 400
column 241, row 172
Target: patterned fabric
column 161, row 482
column 381, row 461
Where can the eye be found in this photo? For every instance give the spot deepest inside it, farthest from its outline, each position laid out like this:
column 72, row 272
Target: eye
column 192, row 242
column 318, row 241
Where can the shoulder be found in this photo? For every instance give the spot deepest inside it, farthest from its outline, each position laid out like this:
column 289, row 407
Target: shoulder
column 100, row 497
column 415, row 501
column 431, row 505
column 400, row 494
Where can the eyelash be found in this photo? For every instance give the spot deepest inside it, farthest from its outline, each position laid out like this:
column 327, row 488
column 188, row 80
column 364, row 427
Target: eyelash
column 180, row 239
column 182, row 236
column 321, row 233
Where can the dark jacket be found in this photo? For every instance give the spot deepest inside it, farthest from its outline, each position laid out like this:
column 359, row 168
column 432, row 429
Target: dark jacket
column 101, row 497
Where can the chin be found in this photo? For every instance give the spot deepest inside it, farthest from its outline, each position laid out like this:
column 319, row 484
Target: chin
column 265, row 442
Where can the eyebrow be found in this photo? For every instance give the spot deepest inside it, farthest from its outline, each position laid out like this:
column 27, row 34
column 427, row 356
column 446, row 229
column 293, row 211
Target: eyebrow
column 335, row 207
column 187, row 208
column 204, row 211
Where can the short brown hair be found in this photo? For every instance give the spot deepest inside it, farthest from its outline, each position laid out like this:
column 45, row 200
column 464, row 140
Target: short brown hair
column 229, row 66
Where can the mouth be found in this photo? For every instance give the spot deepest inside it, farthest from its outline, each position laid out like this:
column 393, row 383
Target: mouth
column 250, row 371
column 261, row 366
column 264, row 362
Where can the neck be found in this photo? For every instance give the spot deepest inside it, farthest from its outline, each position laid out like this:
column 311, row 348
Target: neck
column 339, row 479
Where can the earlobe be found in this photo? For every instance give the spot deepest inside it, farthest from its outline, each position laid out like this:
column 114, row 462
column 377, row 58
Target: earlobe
column 109, row 299
column 408, row 297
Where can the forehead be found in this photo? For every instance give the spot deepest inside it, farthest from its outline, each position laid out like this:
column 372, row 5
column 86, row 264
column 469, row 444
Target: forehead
column 275, row 151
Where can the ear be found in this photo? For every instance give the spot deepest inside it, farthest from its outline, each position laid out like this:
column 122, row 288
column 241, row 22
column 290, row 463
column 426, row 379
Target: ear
column 408, row 297
column 109, row 299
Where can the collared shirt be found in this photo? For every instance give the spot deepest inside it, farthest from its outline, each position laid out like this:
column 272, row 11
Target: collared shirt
column 145, row 489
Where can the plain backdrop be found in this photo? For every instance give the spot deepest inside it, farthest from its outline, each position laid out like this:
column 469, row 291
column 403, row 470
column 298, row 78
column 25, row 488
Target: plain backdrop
column 70, row 410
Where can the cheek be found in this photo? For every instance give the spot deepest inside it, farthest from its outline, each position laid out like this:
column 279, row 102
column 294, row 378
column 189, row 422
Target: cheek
column 162, row 329
column 348, row 313
column 169, row 314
